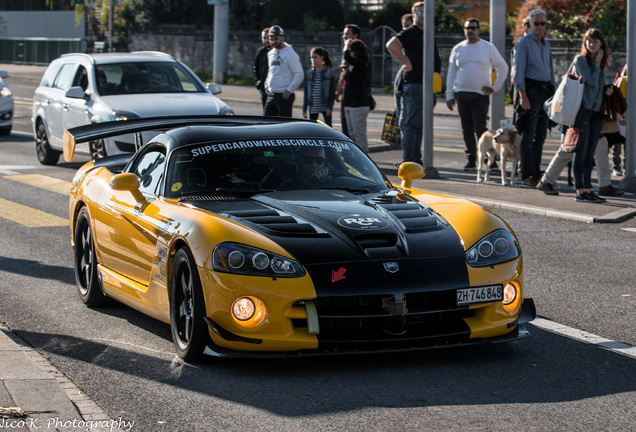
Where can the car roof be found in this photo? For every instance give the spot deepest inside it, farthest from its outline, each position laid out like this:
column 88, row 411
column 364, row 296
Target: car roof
column 284, row 133
column 106, row 58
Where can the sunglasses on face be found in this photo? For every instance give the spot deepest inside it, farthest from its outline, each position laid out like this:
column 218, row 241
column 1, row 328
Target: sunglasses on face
column 540, row 23
column 310, row 159
column 471, row 28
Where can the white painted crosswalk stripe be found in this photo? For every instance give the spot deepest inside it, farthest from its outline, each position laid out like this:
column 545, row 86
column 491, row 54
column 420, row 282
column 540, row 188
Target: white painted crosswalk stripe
column 43, row 182
column 29, row 216
column 586, row 337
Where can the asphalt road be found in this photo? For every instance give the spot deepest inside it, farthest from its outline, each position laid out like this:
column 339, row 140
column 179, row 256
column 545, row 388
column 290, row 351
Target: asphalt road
column 580, row 276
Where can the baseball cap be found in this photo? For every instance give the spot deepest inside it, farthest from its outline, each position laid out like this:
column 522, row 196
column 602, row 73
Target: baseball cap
column 276, row 31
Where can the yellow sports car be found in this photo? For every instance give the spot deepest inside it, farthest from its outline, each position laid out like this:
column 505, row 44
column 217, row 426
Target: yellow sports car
column 271, row 236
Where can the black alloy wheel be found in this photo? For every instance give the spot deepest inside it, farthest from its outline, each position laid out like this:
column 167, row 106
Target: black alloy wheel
column 46, row 155
column 187, row 309
column 89, row 288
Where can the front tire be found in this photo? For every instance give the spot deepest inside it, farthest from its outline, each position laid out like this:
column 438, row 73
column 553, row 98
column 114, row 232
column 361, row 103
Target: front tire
column 46, row 155
column 187, row 309
column 88, row 285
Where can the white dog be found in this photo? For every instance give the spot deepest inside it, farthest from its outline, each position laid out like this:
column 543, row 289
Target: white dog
column 507, row 143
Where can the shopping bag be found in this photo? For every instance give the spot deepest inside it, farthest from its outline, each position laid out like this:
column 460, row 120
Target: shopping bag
column 563, row 106
column 437, row 82
column 391, row 130
column 572, row 140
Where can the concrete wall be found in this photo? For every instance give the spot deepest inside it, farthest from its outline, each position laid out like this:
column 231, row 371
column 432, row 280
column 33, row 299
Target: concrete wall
column 40, row 24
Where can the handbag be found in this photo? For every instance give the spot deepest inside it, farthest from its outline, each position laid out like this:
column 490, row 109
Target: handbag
column 572, row 140
column 563, row 106
column 391, row 130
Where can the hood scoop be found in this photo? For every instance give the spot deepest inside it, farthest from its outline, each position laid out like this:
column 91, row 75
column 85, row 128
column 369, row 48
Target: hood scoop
column 414, row 217
column 276, row 222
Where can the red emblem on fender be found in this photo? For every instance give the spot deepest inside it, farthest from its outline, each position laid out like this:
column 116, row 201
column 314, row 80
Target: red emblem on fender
column 338, row 275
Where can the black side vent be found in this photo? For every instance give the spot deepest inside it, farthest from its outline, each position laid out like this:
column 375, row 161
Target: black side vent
column 277, row 224
column 210, row 198
column 413, row 217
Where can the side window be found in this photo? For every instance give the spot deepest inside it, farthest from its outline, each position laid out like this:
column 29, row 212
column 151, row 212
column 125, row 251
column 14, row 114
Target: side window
column 64, row 78
column 149, row 168
column 81, row 78
column 49, row 75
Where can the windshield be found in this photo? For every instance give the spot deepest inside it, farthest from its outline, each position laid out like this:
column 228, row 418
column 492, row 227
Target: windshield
column 144, row 77
column 271, row 165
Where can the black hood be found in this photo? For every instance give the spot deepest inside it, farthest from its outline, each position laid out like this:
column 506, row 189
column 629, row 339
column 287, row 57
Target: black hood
column 383, row 238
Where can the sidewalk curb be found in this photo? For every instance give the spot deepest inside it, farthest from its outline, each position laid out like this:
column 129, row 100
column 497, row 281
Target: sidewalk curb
column 87, row 409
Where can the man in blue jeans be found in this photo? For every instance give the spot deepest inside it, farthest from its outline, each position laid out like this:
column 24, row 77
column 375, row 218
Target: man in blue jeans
column 408, row 48
column 533, row 77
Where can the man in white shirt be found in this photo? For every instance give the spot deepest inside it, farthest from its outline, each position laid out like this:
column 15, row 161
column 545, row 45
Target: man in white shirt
column 284, row 76
column 469, row 84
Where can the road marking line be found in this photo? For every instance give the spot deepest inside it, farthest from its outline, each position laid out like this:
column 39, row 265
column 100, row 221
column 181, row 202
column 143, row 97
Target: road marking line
column 28, row 216
column 43, row 182
column 586, row 337
column 12, row 169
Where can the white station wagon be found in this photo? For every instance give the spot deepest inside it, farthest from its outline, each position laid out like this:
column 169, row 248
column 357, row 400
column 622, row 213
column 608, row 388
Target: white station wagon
column 79, row 89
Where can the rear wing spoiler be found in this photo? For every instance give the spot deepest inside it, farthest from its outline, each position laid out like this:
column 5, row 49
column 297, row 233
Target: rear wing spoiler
column 97, row 131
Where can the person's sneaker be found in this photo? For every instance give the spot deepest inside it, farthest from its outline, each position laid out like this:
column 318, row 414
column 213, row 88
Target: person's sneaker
column 618, row 172
column 609, row 190
column 530, row 182
column 470, row 166
column 595, row 196
column 585, row 197
column 547, row 188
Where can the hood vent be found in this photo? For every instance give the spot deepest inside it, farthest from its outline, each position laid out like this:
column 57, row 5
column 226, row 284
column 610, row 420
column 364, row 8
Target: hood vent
column 210, row 198
column 414, row 217
column 276, row 223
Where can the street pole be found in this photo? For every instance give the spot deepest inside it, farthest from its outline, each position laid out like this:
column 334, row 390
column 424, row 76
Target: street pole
column 498, row 39
column 427, row 90
column 221, row 40
column 629, row 182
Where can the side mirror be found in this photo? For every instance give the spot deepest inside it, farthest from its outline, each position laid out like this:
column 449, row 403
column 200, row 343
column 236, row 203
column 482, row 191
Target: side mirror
column 214, row 88
column 127, row 182
column 124, row 182
column 75, row 93
column 408, row 172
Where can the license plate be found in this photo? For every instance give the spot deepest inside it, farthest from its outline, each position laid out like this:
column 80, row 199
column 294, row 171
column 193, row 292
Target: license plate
column 485, row 294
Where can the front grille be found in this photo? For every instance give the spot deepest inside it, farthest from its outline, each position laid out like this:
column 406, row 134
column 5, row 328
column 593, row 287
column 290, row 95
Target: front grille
column 383, row 318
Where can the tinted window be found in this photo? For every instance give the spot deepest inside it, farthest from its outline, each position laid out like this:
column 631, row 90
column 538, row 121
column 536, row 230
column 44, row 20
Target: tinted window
column 145, row 77
column 64, row 79
column 149, row 168
column 49, row 75
column 267, row 165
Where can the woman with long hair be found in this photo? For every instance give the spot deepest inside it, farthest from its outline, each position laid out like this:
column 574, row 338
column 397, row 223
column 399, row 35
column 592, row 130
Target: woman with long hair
column 320, row 86
column 591, row 64
column 357, row 91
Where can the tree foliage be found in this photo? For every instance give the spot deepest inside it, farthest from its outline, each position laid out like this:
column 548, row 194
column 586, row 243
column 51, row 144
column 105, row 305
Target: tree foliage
column 301, row 14
column 571, row 18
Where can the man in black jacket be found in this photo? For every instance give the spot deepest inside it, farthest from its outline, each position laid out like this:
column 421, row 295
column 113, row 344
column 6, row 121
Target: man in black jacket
column 261, row 66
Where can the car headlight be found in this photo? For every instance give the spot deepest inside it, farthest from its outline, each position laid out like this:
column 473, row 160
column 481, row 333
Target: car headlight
column 122, row 115
column 242, row 259
column 5, row 92
column 497, row 247
column 226, row 110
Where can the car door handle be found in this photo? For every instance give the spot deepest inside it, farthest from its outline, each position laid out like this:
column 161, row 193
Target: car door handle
column 65, row 107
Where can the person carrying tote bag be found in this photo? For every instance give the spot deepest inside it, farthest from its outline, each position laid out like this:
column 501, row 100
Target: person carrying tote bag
column 591, row 63
column 564, row 105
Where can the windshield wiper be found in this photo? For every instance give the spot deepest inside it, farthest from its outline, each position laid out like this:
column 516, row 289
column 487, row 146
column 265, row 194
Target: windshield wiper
column 347, row 189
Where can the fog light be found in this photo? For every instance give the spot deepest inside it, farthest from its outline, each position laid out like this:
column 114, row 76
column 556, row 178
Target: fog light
column 243, row 309
column 509, row 294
